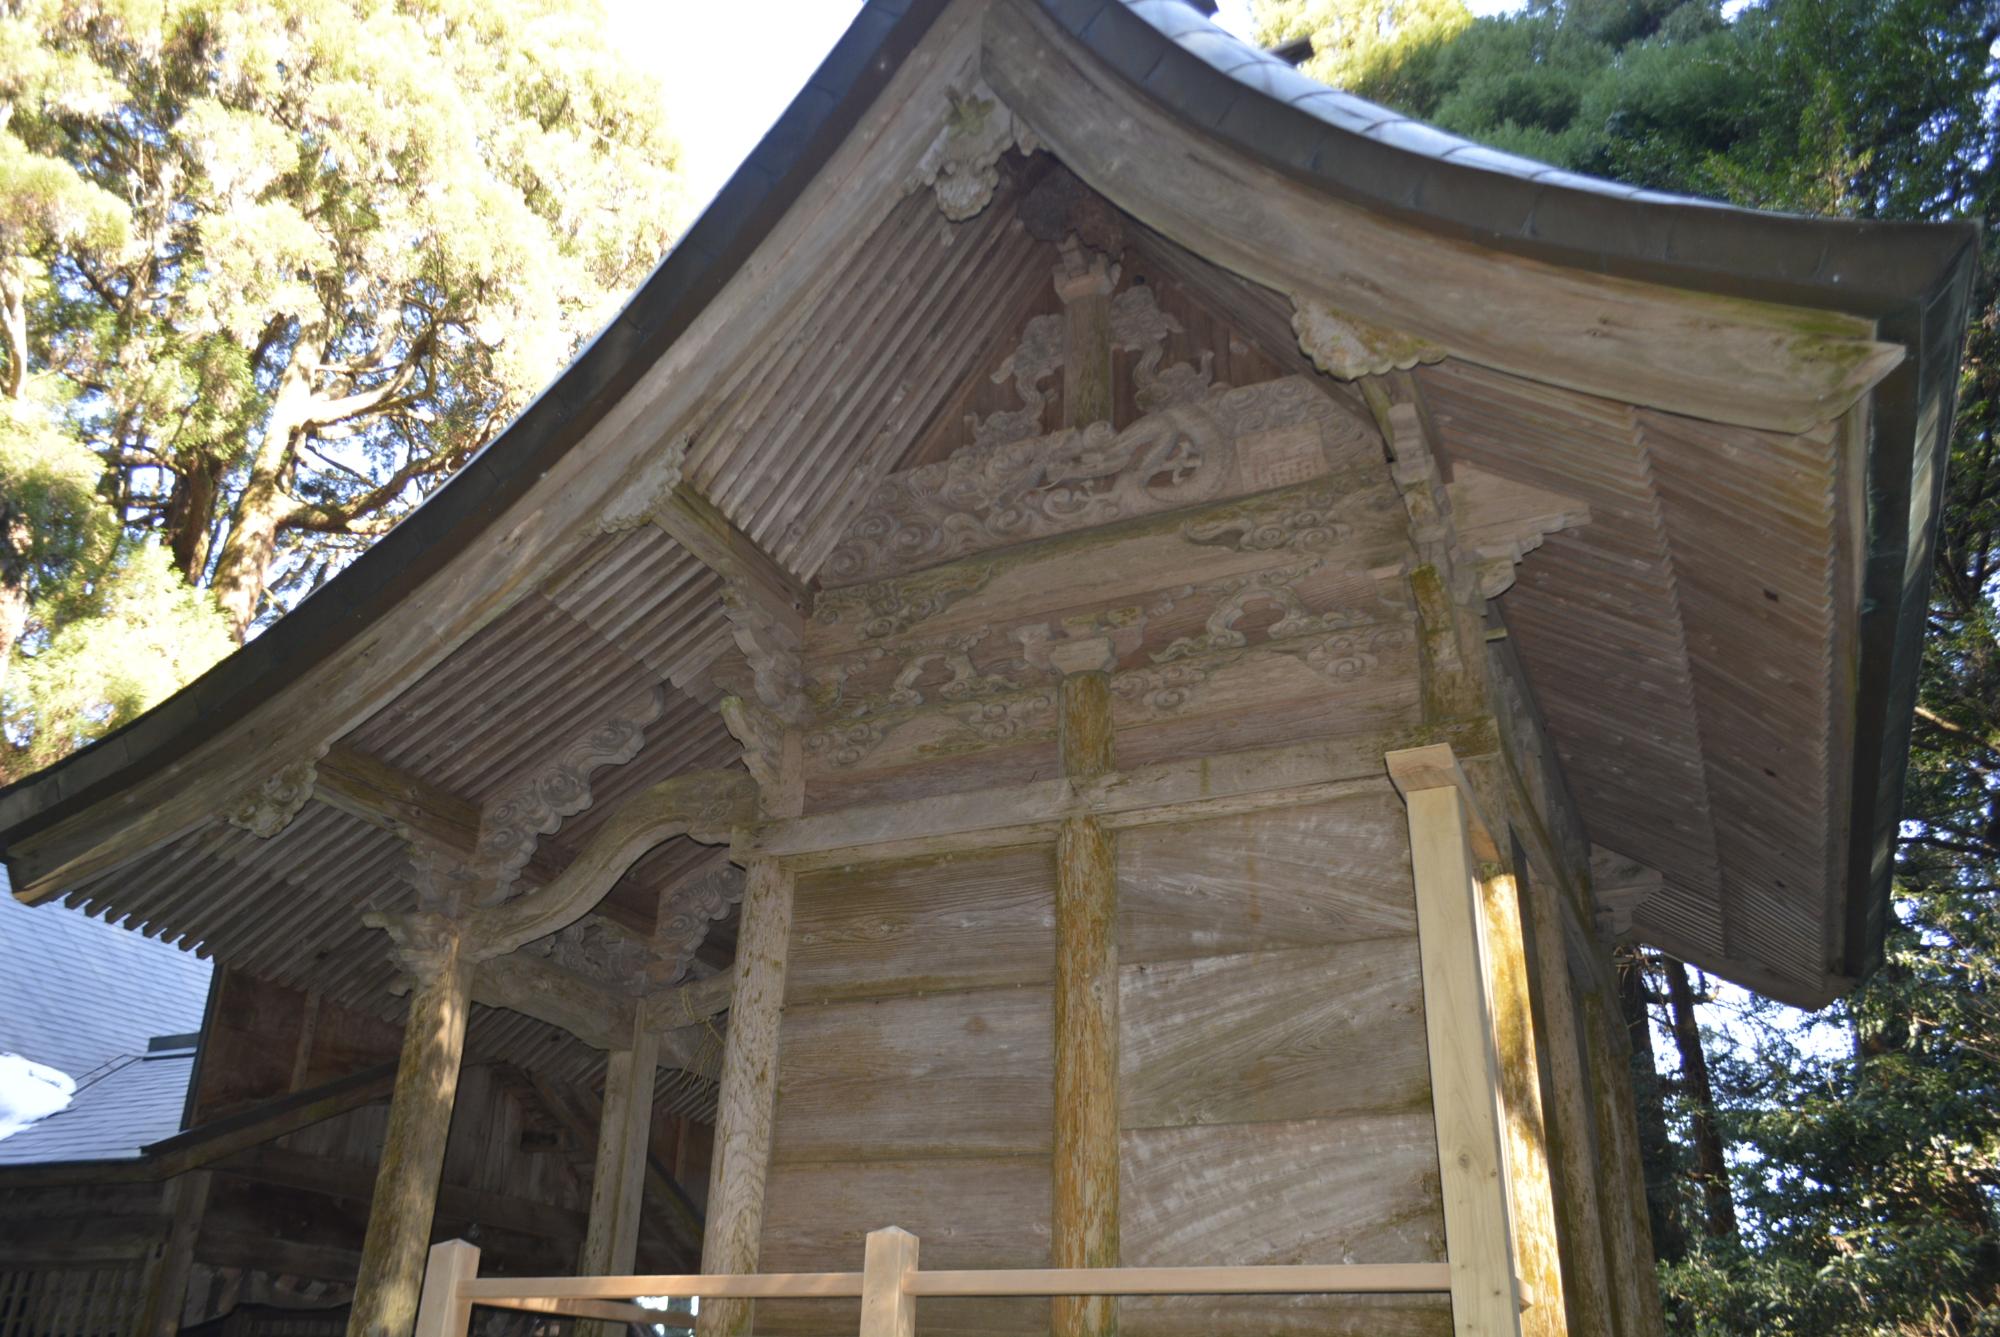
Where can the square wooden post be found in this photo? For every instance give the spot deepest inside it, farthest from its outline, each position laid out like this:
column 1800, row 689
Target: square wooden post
column 749, row 1092
column 1465, row 1071
column 887, row 1309
column 442, row 1311
column 618, row 1183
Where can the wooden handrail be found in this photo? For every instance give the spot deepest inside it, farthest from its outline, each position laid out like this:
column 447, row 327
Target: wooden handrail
column 887, row 1294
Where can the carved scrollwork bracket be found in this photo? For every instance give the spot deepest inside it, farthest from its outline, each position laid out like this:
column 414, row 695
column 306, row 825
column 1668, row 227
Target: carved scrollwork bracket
column 269, row 806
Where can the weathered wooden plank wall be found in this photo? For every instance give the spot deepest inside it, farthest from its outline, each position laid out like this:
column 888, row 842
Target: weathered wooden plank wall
column 914, row 1080
column 1275, row 1087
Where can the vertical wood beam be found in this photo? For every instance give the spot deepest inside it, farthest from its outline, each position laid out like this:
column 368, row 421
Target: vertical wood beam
column 1530, row 1189
column 442, row 1312
column 749, row 1091
column 1084, row 1224
column 618, row 1183
column 1620, row 1171
column 1465, row 1076
column 887, row 1310
column 1084, row 283
column 185, row 1202
column 406, row 1185
column 1591, row 1308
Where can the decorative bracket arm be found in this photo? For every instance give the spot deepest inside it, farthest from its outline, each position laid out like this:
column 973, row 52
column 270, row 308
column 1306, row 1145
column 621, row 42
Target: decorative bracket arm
column 705, row 805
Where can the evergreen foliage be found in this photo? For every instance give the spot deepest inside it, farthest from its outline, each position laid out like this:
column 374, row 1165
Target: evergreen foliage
column 270, row 270
column 1864, row 1142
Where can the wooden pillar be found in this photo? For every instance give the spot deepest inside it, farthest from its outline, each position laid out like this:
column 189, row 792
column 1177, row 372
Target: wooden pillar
column 184, row 1204
column 1620, row 1174
column 1084, row 283
column 618, row 1183
column 1084, row 1223
column 1465, row 1075
column 1591, row 1309
column 406, row 1185
column 1531, row 1189
column 749, row 1089
column 887, row 1309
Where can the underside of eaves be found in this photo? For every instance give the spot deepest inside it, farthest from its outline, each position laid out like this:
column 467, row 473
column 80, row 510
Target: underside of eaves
column 1748, row 409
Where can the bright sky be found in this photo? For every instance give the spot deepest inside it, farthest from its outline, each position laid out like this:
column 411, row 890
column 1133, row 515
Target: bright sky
column 728, row 70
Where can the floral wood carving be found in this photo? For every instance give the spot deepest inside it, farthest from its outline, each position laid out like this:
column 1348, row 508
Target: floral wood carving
column 962, row 163
column 892, row 607
column 511, row 825
column 269, row 806
column 770, row 644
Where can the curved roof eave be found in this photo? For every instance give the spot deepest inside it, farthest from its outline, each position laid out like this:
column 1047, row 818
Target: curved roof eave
column 1912, row 279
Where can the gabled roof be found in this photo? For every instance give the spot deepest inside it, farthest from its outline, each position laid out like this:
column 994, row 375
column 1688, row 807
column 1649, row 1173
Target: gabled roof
column 1654, row 344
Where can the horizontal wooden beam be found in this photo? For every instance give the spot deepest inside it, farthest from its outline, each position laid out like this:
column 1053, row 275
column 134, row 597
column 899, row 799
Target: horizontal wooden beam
column 1219, row 786
column 210, row 1142
column 692, row 521
column 354, row 1182
column 1307, row 1279
column 604, row 1309
column 561, row 998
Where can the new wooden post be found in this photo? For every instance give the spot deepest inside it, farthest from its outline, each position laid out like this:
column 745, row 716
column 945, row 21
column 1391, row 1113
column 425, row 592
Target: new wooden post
column 887, row 1308
column 749, row 1088
column 1084, row 1209
column 1465, row 1074
column 442, row 1312
column 399, row 1215
column 618, row 1183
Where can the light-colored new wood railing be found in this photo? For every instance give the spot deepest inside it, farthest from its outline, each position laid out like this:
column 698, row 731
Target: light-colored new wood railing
column 888, row 1286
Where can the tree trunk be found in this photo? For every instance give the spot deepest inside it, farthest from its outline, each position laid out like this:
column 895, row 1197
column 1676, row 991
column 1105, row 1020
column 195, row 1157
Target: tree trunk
column 1656, row 1151
column 1711, row 1168
column 244, row 566
column 191, row 514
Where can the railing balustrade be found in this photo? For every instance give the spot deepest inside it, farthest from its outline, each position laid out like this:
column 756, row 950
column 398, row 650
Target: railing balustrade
column 888, row 1286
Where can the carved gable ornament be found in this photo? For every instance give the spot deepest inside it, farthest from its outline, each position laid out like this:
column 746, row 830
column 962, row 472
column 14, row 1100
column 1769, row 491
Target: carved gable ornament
column 962, row 163
column 994, row 494
column 1349, row 348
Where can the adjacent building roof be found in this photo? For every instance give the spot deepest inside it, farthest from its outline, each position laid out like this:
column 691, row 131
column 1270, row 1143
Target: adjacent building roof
column 88, row 998
column 1733, row 393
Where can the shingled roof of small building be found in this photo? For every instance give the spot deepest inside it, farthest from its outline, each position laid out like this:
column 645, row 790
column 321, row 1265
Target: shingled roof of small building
column 90, row 999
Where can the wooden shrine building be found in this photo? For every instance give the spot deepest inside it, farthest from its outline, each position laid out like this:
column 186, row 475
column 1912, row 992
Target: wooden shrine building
column 1095, row 664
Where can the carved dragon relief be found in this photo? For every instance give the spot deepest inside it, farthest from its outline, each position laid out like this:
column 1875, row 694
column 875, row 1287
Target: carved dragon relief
column 1250, row 439
column 1138, row 325
column 962, row 163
